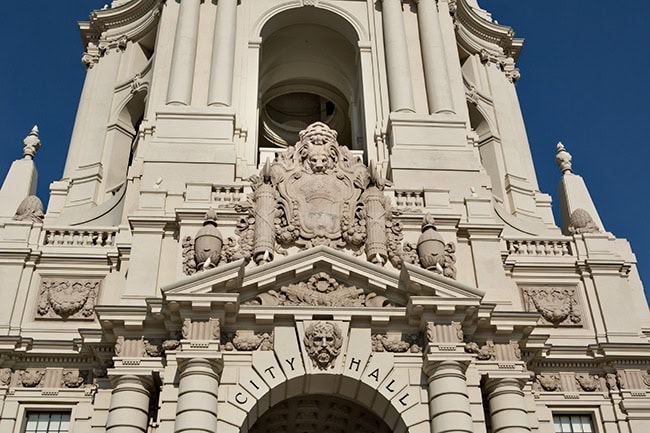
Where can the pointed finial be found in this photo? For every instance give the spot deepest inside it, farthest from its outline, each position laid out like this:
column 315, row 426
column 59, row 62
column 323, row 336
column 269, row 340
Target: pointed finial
column 563, row 158
column 31, row 143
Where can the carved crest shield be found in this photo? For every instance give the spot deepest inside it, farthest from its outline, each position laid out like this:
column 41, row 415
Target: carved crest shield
column 319, row 183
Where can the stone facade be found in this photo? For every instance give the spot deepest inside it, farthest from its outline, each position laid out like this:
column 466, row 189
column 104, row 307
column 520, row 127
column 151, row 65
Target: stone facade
column 311, row 216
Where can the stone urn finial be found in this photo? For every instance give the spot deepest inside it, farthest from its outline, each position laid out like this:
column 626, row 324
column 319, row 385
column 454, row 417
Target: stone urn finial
column 563, row 158
column 431, row 246
column 31, row 143
column 208, row 242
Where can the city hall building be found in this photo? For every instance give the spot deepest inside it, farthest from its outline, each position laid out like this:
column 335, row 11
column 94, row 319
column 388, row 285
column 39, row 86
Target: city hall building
column 310, row 216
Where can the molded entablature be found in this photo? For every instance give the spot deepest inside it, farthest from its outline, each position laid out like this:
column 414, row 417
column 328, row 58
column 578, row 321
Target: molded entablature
column 133, row 20
column 476, row 34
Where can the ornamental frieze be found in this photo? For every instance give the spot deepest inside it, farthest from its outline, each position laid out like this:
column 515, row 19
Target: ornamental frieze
column 557, row 306
column 320, row 290
column 67, row 299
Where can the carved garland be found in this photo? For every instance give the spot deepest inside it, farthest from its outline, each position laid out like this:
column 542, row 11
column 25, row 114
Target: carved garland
column 558, row 306
column 67, row 299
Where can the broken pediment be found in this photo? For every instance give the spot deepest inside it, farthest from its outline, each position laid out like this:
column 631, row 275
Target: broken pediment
column 320, row 277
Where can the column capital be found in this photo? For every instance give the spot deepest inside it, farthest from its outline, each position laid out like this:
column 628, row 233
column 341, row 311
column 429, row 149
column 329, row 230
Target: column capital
column 120, row 379
column 500, row 380
column 205, row 362
column 434, row 364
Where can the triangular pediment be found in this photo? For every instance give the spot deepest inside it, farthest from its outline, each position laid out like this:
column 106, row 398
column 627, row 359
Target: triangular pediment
column 319, row 276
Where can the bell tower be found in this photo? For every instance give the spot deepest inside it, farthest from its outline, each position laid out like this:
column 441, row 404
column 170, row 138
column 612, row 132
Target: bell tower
column 305, row 216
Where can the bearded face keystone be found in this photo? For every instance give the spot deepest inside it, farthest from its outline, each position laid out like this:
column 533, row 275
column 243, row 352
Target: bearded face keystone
column 323, row 341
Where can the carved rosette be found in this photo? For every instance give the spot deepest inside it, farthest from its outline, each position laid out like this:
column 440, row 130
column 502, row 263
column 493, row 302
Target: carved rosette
column 67, row 299
column 320, row 290
column 557, row 306
column 323, row 341
column 317, row 193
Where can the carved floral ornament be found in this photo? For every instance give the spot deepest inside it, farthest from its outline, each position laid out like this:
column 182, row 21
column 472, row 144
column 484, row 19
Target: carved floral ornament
column 320, row 290
column 318, row 193
column 557, row 306
column 67, row 299
column 243, row 341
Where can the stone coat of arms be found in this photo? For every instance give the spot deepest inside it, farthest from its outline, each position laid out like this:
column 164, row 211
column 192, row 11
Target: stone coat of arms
column 317, row 193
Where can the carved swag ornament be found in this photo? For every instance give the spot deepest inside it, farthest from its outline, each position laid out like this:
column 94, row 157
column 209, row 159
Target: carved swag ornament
column 317, row 193
column 321, row 290
column 558, row 306
column 67, row 299
column 242, row 341
column 397, row 344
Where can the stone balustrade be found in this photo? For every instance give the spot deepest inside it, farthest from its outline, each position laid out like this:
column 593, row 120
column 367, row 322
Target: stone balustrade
column 538, row 247
column 79, row 237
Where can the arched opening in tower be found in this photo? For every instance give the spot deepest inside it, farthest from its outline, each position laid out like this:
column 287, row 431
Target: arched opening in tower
column 309, row 71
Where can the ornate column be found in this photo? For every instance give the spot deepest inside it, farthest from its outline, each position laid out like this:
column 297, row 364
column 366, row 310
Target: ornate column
column 449, row 407
column 181, row 74
column 196, row 410
column 129, row 408
column 433, row 58
column 445, row 365
column 400, row 90
column 223, row 54
column 507, row 405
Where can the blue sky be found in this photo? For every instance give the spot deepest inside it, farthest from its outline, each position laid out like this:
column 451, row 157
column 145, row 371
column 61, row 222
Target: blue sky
column 584, row 68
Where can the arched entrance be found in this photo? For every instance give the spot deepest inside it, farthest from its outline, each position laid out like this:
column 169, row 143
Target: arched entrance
column 319, row 414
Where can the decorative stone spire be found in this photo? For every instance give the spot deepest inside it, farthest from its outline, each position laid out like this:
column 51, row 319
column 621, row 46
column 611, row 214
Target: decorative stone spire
column 563, row 158
column 579, row 214
column 31, row 143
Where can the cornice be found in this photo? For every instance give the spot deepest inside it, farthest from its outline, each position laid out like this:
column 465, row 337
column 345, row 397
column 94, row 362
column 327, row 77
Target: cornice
column 133, row 20
column 478, row 34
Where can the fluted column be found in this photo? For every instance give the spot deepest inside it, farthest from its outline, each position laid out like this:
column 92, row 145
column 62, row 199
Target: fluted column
column 434, row 60
column 196, row 410
column 448, row 398
column 400, row 90
column 507, row 406
column 223, row 54
column 129, row 407
column 181, row 75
